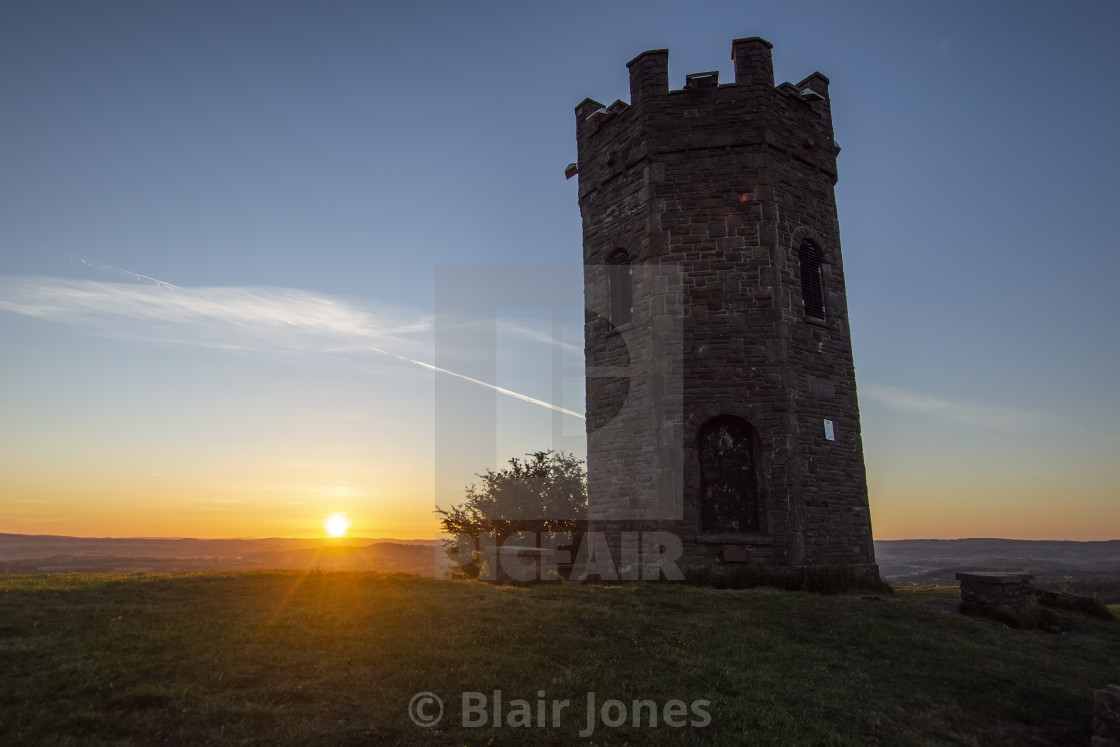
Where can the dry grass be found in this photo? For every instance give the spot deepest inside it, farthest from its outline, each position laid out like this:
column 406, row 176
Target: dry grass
column 334, row 658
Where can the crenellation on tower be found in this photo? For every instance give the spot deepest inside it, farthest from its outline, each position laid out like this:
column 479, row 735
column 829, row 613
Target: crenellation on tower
column 699, row 81
column 717, row 319
column 649, row 76
column 817, row 83
column 754, row 64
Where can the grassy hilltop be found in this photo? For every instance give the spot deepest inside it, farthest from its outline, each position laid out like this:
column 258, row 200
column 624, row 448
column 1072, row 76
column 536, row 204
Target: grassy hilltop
column 334, row 658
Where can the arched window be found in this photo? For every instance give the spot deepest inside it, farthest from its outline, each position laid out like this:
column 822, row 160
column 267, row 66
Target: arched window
column 620, row 298
column 812, row 283
column 728, row 476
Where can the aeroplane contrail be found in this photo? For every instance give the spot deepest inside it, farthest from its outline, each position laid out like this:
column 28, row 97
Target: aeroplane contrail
column 487, row 385
column 126, row 273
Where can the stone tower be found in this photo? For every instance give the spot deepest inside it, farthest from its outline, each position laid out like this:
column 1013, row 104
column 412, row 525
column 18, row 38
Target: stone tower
column 721, row 393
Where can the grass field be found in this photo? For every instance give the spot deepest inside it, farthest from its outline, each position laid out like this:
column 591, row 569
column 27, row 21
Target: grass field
column 334, row 658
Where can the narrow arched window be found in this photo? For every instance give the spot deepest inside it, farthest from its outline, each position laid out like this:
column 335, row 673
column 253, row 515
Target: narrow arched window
column 620, row 298
column 812, row 282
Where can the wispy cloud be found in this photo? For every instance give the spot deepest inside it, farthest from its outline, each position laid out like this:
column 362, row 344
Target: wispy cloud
column 239, row 318
column 225, row 317
column 541, row 335
column 957, row 412
column 481, row 328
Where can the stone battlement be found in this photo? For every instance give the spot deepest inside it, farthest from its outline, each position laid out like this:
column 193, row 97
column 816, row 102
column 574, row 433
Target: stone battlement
column 705, row 114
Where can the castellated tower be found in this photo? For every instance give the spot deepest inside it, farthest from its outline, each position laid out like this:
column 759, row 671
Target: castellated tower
column 721, row 393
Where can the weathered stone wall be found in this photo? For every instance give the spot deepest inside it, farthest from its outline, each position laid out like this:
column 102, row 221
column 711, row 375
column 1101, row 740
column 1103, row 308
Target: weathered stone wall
column 1106, row 722
column 1085, row 605
column 710, row 190
column 1009, row 597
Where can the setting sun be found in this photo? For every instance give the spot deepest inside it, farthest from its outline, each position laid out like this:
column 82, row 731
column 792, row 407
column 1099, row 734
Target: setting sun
column 336, row 525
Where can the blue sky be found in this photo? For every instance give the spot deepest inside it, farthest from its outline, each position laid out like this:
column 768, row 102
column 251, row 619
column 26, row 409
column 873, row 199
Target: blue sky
column 294, row 176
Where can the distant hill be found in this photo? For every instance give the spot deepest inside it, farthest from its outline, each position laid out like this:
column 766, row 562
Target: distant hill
column 1080, row 567
column 387, row 557
column 56, row 554
column 43, row 545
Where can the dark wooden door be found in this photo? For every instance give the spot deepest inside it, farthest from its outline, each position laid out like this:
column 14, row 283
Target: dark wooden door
column 728, row 484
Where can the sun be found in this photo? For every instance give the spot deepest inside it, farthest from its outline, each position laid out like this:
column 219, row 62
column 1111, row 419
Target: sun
column 336, row 525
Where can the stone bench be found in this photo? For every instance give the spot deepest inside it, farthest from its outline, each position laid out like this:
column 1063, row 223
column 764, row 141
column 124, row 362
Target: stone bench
column 1008, row 597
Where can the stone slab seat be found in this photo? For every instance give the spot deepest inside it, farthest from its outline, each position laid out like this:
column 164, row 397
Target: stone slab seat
column 1009, row 597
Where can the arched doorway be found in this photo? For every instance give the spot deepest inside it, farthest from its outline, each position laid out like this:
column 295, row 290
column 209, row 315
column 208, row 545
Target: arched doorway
column 728, row 477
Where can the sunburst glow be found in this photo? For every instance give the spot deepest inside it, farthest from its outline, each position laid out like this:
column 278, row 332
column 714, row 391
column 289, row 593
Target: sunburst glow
column 336, row 525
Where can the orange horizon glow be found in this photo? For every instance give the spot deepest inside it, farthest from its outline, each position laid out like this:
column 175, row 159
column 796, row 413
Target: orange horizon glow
column 886, row 526
column 907, row 502
column 935, row 512
column 924, row 514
